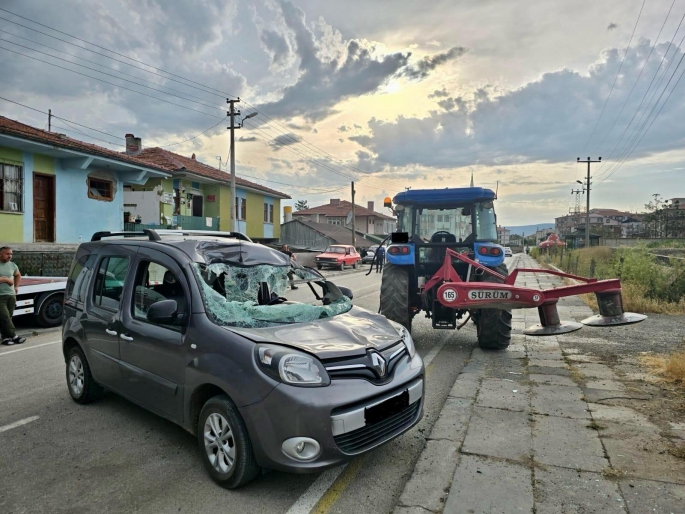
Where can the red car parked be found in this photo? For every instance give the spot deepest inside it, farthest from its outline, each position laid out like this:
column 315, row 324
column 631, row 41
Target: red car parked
column 338, row 256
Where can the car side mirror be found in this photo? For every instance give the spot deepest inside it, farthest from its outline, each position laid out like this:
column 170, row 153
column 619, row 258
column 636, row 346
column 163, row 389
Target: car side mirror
column 346, row 291
column 163, row 313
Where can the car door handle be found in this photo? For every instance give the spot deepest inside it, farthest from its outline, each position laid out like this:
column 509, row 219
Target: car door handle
column 111, row 332
column 126, row 338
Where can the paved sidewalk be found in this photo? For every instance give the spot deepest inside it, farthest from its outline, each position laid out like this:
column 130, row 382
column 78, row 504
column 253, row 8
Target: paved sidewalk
column 524, row 430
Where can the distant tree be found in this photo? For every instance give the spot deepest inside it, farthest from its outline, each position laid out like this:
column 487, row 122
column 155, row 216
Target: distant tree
column 301, row 205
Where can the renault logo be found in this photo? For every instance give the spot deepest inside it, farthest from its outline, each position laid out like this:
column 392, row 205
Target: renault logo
column 378, row 363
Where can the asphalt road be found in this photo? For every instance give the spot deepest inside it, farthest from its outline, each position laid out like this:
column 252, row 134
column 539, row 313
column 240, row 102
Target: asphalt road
column 112, row 456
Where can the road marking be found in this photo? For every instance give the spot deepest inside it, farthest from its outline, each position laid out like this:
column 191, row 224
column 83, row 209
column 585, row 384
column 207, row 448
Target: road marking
column 29, row 348
column 325, row 491
column 18, row 423
column 431, row 355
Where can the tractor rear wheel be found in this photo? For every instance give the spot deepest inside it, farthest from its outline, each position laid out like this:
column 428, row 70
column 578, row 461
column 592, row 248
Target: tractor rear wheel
column 395, row 295
column 493, row 325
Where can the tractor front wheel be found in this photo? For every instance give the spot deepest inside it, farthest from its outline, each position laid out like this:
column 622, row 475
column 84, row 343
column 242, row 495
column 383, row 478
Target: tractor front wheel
column 395, row 303
column 493, row 325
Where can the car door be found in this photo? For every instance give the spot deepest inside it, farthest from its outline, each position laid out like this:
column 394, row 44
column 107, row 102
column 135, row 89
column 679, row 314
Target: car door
column 153, row 356
column 101, row 320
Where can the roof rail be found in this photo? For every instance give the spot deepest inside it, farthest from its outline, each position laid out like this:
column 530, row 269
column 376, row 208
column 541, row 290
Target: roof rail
column 215, row 233
column 150, row 233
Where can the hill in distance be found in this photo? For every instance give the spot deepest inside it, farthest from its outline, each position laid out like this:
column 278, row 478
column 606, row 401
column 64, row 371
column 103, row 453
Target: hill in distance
column 528, row 229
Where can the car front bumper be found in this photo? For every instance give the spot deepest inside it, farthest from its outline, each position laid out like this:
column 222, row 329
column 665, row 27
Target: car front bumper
column 334, row 416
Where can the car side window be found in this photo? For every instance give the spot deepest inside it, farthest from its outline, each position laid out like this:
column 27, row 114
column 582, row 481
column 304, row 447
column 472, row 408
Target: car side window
column 155, row 283
column 77, row 284
column 109, row 283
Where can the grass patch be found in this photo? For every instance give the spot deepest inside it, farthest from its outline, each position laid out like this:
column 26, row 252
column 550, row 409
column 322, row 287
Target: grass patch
column 612, row 473
column 677, row 451
column 648, row 286
column 669, row 367
column 596, row 426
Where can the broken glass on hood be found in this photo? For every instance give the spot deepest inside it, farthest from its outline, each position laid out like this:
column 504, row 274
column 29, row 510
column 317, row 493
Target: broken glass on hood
column 251, row 296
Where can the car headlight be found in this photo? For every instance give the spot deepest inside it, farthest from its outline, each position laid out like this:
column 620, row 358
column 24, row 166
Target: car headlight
column 406, row 338
column 291, row 366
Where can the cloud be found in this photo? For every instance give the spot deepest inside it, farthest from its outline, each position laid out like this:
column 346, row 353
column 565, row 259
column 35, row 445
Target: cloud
column 422, row 69
column 322, row 84
column 546, row 121
column 342, row 128
column 282, row 140
column 439, row 93
column 247, row 139
column 612, row 26
column 277, row 46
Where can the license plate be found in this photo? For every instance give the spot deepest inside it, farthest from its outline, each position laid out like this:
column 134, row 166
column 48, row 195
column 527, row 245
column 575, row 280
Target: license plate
column 387, row 408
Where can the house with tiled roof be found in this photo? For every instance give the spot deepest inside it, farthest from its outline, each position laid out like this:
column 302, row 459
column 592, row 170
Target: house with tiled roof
column 338, row 212
column 57, row 189
column 197, row 196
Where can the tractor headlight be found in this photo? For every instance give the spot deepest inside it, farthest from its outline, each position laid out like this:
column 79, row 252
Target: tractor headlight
column 406, row 338
column 291, row 366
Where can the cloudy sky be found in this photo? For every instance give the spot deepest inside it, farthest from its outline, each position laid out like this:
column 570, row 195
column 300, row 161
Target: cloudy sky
column 389, row 93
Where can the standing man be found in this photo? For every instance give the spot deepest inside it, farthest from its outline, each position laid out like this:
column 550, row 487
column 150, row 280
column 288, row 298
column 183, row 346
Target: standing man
column 291, row 276
column 380, row 258
column 9, row 287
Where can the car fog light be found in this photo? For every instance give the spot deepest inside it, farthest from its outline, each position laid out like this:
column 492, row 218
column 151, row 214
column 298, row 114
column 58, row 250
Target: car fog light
column 301, row 448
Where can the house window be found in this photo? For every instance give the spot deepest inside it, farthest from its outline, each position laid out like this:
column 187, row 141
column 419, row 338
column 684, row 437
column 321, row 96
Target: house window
column 240, row 208
column 268, row 212
column 100, row 189
column 11, row 188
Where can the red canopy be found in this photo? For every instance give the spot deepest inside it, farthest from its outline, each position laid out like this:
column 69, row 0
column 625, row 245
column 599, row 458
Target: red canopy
column 552, row 241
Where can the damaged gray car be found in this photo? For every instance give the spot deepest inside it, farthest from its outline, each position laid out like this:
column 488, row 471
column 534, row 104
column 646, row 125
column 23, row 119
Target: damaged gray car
column 198, row 330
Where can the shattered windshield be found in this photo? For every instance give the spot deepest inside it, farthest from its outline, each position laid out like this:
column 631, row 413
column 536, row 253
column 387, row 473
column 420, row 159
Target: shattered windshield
column 335, row 249
column 252, row 296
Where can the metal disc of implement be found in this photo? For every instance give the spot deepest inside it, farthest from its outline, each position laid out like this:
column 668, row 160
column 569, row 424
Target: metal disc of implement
column 614, row 321
column 552, row 330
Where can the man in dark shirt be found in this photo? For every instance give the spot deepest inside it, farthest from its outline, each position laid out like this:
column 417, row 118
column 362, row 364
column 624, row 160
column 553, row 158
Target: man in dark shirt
column 380, row 258
column 291, row 276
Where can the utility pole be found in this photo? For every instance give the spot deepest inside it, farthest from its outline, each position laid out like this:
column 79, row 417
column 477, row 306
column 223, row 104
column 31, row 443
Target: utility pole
column 233, row 113
column 49, row 120
column 587, row 209
column 354, row 233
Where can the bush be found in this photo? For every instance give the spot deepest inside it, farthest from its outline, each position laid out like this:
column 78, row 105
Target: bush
column 647, row 285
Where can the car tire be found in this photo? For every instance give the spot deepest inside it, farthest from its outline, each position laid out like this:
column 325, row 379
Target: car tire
column 395, row 301
column 82, row 386
column 50, row 312
column 342, row 266
column 493, row 325
column 220, row 419
column 318, row 266
column 356, row 264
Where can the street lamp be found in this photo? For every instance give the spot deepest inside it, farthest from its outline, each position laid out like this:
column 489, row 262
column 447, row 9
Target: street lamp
column 579, row 182
column 251, row 115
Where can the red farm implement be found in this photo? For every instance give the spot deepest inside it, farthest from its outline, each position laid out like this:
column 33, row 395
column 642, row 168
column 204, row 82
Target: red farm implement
column 454, row 293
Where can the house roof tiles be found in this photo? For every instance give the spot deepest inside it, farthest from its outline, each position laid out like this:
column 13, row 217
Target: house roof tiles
column 174, row 162
column 21, row 130
column 341, row 209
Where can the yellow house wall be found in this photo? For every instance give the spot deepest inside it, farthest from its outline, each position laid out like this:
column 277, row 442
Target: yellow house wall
column 255, row 215
column 211, row 208
column 11, row 224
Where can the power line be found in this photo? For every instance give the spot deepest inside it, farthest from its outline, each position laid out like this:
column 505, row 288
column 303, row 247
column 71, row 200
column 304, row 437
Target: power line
column 634, row 142
column 59, row 118
column 616, row 77
column 106, row 49
column 194, row 137
column 184, row 97
column 302, row 141
column 656, row 41
column 644, row 97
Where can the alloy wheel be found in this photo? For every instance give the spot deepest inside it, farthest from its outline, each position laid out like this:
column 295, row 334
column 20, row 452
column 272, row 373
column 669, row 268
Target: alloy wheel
column 76, row 375
column 219, row 443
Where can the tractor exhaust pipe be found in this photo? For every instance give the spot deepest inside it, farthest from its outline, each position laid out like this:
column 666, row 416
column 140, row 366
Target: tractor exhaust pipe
column 611, row 311
column 550, row 324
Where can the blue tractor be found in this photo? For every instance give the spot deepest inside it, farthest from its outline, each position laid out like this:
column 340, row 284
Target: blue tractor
column 447, row 236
